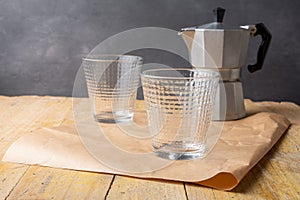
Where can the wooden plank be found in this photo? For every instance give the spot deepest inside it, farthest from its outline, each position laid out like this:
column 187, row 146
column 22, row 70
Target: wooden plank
column 134, row 188
column 32, row 113
column 55, row 113
column 22, row 115
column 29, row 114
column 51, row 183
column 251, row 187
column 283, row 171
column 196, row 192
column 10, row 174
column 276, row 176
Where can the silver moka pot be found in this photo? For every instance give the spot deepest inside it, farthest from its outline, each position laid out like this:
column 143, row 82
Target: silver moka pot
column 217, row 47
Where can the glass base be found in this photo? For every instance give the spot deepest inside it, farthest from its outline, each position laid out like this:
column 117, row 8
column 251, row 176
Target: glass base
column 172, row 151
column 113, row 117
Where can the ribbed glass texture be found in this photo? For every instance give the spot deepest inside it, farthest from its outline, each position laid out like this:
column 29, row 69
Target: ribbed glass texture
column 179, row 105
column 112, row 82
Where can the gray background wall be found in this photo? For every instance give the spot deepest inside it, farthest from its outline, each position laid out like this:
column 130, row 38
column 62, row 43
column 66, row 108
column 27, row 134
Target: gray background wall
column 42, row 41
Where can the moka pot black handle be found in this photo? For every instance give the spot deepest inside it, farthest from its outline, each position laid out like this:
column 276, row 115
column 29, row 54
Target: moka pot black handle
column 266, row 36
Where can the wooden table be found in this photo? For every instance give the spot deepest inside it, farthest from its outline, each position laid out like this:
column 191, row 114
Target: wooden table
column 276, row 176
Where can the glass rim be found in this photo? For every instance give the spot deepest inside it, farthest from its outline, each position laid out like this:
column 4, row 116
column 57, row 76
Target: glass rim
column 212, row 73
column 217, row 68
column 110, row 58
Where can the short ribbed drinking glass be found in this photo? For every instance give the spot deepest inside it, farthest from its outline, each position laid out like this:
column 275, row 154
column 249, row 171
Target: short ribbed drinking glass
column 112, row 82
column 179, row 104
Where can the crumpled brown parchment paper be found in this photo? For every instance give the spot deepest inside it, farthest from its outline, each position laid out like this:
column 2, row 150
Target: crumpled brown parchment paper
column 241, row 145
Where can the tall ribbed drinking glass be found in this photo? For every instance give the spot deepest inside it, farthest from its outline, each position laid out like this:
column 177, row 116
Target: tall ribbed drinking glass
column 179, row 104
column 112, row 82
